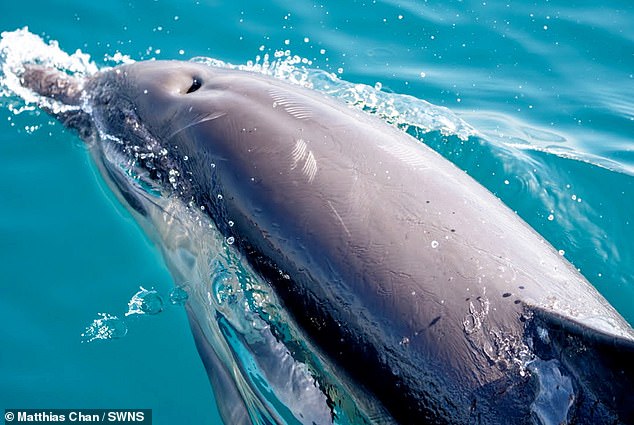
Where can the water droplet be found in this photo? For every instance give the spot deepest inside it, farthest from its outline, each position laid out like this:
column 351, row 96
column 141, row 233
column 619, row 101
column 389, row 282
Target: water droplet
column 105, row 327
column 145, row 302
column 179, row 295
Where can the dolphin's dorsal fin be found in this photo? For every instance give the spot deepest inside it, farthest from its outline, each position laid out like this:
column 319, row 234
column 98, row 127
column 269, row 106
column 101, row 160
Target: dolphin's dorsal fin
column 601, row 362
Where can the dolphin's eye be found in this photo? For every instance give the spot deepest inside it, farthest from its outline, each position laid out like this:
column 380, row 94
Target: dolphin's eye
column 196, row 84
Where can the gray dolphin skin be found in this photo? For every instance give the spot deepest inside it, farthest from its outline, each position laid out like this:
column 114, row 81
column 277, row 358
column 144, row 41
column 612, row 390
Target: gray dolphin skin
column 426, row 298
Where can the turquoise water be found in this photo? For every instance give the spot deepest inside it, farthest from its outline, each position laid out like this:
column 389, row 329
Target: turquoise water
column 547, row 88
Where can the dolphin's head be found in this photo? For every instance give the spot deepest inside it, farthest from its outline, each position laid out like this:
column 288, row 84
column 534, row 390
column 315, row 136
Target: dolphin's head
column 140, row 121
column 164, row 95
column 143, row 115
column 160, row 128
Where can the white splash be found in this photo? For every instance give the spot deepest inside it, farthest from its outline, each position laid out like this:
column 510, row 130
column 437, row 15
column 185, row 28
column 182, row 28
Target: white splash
column 105, row 327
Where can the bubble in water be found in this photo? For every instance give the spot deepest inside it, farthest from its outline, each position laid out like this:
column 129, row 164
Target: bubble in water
column 231, row 240
column 434, row 244
column 551, row 217
column 178, row 295
column 105, row 327
column 223, row 285
column 145, row 302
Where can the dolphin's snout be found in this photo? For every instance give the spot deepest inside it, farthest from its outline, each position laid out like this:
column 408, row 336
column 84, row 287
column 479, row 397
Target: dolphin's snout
column 63, row 88
column 52, row 83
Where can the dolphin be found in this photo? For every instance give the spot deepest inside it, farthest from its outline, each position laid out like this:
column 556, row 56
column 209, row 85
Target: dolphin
column 423, row 297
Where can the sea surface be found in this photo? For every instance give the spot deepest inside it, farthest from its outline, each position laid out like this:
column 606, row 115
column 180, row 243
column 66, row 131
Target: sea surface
column 534, row 99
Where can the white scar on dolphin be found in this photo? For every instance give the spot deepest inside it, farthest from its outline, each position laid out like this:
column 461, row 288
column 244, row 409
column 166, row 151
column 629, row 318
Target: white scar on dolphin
column 293, row 107
column 302, row 155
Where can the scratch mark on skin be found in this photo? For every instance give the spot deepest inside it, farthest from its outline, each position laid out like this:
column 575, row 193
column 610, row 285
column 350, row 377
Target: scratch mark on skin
column 407, row 154
column 293, row 107
column 208, row 117
column 332, row 207
column 310, row 167
column 301, row 154
column 298, row 153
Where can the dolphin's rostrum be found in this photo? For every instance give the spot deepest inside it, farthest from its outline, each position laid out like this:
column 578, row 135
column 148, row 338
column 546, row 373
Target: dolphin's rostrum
column 424, row 293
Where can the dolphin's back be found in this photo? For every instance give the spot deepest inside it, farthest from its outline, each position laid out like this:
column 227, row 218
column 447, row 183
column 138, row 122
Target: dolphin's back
column 413, row 280
column 416, row 279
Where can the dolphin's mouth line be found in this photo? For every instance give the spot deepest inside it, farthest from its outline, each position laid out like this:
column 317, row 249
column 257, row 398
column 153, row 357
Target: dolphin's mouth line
column 210, row 117
column 130, row 182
